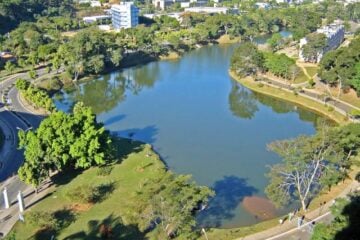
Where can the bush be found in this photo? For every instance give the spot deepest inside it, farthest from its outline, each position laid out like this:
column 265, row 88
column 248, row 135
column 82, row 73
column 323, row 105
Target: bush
column 260, row 85
column 330, row 108
column 82, row 194
column 311, row 82
column 51, row 220
column 90, row 194
column 104, row 171
column 35, row 95
column 42, row 219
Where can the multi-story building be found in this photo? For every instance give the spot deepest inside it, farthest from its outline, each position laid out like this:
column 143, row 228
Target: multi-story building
column 124, row 15
column 334, row 33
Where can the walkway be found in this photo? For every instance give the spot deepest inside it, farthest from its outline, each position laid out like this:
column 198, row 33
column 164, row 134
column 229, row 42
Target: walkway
column 14, row 115
column 340, row 106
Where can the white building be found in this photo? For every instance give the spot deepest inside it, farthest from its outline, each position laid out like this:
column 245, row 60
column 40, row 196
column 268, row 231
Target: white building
column 262, row 5
column 100, row 19
column 176, row 15
column 334, row 33
column 124, row 15
column 208, row 10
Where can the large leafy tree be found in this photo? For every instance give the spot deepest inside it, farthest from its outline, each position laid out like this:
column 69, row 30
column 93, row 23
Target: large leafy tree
column 309, row 164
column 63, row 140
column 247, row 60
column 169, row 203
column 316, row 42
column 341, row 67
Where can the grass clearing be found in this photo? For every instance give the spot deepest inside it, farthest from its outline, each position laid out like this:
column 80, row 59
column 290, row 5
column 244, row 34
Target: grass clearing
column 126, row 177
column 301, row 77
column 311, row 71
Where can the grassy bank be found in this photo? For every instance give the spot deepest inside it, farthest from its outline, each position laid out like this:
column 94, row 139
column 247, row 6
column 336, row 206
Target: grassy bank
column 139, row 164
column 290, row 97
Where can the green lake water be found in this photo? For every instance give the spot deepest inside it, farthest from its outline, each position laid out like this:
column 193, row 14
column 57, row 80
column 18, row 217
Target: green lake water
column 200, row 121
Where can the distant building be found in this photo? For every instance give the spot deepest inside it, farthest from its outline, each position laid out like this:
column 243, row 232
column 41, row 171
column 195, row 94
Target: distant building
column 124, row 15
column 334, row 33
column 91, row 2
column 99, row 19
column 290, row 1
column 263, row 5
column 176, row 15
column 163, row 4
column 209, row 10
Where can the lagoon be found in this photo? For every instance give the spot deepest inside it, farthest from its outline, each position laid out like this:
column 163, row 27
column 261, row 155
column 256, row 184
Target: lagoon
column 201, row 122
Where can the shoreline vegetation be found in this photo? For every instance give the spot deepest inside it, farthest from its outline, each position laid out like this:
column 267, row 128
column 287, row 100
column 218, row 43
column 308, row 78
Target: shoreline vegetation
column 279, row 93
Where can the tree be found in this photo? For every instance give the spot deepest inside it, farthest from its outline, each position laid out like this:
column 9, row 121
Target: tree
column 281, row 65
column 63, row 140
column 247, row 60
column 170, row 204
column 308, row 163
column 345, row 225
column 316, row 42
column 275, row 41
column 9, row 67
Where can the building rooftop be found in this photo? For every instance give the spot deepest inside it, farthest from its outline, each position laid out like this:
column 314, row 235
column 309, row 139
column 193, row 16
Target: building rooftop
column 330, row 29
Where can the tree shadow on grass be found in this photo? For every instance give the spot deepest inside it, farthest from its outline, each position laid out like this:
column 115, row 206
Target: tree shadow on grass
column 351, row 231
column 62, row 218
column 125, row 142
column 229, row 192
column 108, row 228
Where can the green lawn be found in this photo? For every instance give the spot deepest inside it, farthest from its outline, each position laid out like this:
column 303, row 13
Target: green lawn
column 301, row 77
column 126, row 178
column 311, row 70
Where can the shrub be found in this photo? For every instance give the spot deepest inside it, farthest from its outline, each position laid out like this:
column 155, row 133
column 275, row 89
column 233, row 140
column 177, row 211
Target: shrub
column 42, row 219
column 82, row 194
column 104, row 171
column 330, row 108
column 90, row 194
column 260, row 85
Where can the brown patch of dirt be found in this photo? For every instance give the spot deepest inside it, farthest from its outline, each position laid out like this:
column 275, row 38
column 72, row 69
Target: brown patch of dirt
column 80, row 207
column 260, row 207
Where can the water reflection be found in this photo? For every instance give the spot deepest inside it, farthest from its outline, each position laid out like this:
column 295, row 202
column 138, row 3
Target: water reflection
column 104, row 93
column 229, row 193
column 242, row 102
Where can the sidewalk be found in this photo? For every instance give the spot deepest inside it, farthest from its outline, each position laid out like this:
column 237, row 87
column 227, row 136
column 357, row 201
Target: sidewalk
column 8, row 217
column 290, row 228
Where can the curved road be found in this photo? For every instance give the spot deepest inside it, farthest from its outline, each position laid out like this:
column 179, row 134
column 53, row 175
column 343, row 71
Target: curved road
column 12, row 118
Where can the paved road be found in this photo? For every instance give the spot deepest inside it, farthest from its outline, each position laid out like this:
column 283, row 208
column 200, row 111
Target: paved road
column 12, row 118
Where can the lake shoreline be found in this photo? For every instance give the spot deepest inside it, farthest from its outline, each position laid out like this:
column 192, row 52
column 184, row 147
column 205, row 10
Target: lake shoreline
column 290, row 97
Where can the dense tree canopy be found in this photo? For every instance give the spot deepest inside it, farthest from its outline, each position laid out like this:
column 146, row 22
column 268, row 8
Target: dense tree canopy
column 169, row 204
column 281, row 65
column 341, row 66
column 247, row 60
column 63, row 140
column 311, row 163
column 316, row 42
